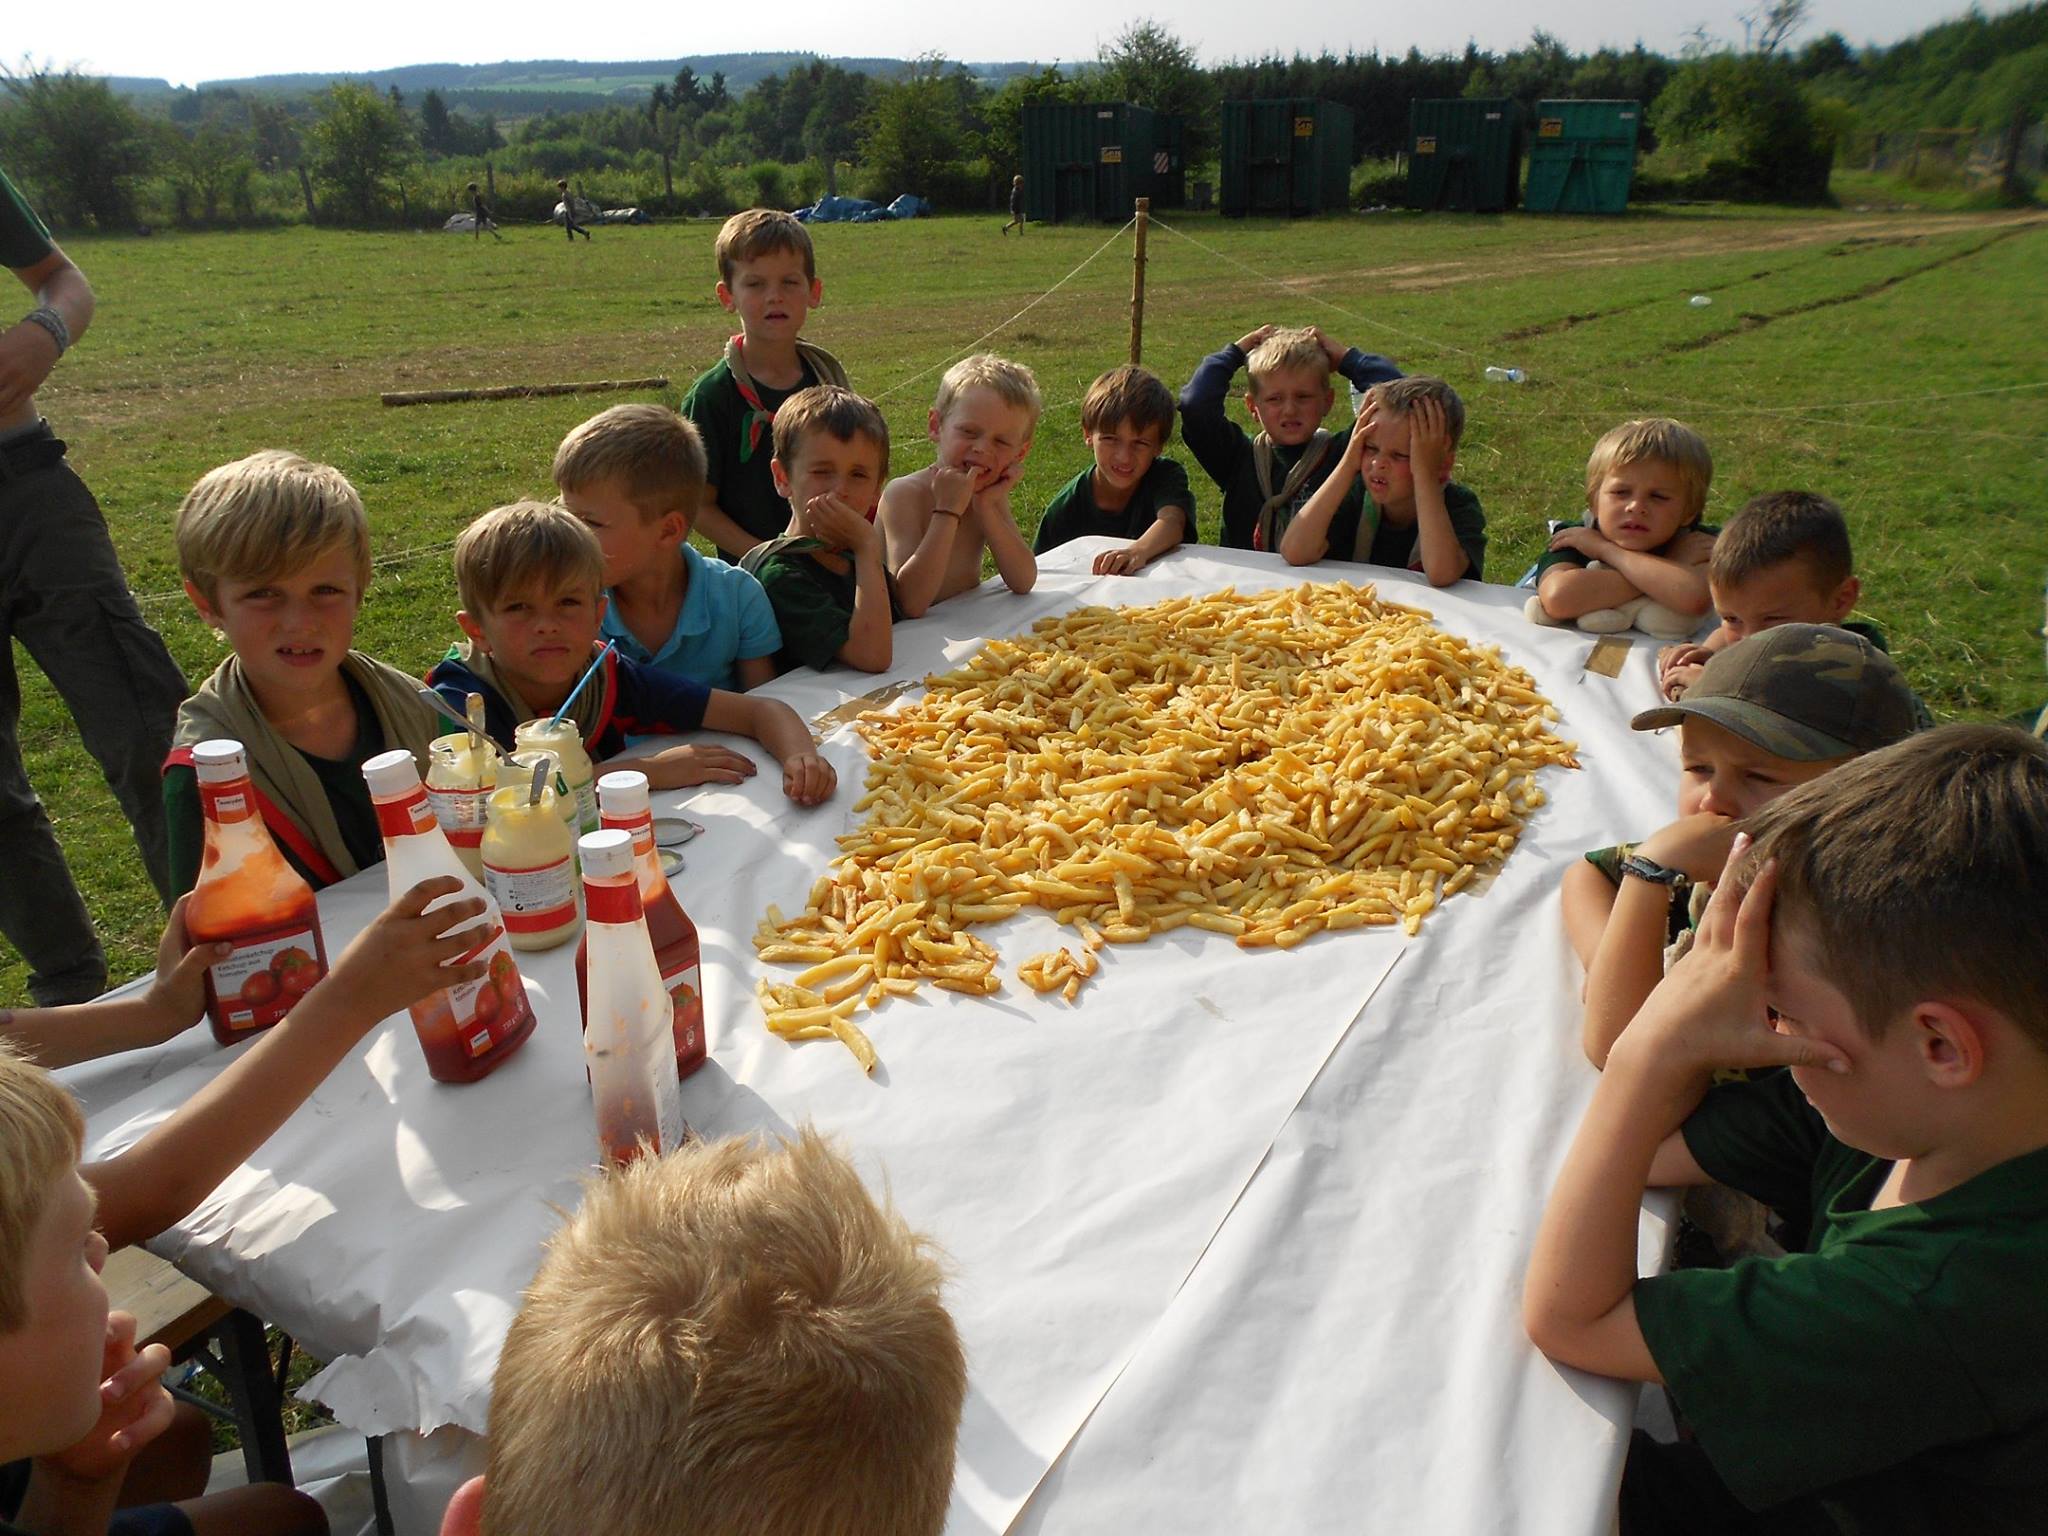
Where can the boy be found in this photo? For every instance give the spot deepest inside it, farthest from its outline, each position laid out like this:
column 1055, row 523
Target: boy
column 833, row 597
column 275, row 552
column 1266, row 479
column 731, row 1340
column 1640, row 556
column 58, row 1221
column 634, row 475
column 1016, row 206
column 936, row 522
column 1768, row 714
column 1882, row 938
column 1129, row 492
column 1783, row 559
column 480, row 216
column 531, row 578
column 1415, row 517
column 570, row 228
column 768, row 276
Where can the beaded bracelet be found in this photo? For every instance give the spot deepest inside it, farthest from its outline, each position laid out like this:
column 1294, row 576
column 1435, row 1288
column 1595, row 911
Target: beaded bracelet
column 50, row 320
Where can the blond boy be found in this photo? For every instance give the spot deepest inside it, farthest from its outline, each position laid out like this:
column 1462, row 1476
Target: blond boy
column 1267, row 478
column 730, row 1340
column 834, row 599
column 936, row 523
column 1640, row 557
column 275, row 552
column 1414, row 516
column 531, row 580
column 635, row 474
column 768, row 277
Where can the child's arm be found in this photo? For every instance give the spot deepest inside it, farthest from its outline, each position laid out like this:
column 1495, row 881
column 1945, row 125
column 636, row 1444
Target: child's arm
column 920, row 521
column 401, row 957
column 174, row 1002
column 1307, row 538
column 1676, row 581
column 991, row 510
column 711, row 521
column 1218, row 443
column 806, row 777
column 1578, row 1302
column 754, row 671
column 1361, row 370
column 1588, row 898
column 1167, row 533
column 1443, row 558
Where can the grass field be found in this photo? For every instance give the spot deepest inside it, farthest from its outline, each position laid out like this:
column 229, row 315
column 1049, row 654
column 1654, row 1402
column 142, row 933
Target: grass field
column 1892, row 360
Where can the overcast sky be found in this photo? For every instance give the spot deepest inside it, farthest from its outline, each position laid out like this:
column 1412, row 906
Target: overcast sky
column 223, row 39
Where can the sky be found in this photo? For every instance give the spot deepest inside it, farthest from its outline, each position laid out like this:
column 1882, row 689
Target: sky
column 225, row 39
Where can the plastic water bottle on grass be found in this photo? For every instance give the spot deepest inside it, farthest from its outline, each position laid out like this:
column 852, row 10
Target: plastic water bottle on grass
column 1506, row 375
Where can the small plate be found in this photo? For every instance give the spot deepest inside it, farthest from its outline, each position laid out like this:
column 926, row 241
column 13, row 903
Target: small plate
column 671, row 862
column 674, row 831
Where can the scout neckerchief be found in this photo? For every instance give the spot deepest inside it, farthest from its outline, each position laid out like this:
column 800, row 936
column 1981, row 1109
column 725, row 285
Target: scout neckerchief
column 1267, row 530
column 293, row 801
column 823, row 366
column 591, row 711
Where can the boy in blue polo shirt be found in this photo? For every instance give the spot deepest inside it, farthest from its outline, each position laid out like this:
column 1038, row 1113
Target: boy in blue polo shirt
column 634, row 475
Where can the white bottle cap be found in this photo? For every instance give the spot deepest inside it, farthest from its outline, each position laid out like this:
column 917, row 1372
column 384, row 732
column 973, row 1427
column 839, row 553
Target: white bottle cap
column 623, row 795
column 607, row 855
column 391, row 774
column 219, row 762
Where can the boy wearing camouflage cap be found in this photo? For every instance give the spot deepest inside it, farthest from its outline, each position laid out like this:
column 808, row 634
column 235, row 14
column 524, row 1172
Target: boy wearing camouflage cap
column 1767, row 714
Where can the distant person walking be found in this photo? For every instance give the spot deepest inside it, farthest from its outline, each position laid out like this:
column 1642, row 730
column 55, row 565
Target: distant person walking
column 569, row 224
column 62, row 595
column 1016, row 205
column 482, row 212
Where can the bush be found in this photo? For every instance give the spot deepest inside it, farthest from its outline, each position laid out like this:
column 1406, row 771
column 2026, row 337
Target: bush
column 1377, row 182
column 767, row 185
column 703, row 190
column 1740, row 125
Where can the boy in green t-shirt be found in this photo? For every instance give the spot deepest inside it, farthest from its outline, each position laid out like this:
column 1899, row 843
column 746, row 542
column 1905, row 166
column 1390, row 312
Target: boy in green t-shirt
column 1129, row 492
column 1881, row 937
column 768, row 276
column 826, row 578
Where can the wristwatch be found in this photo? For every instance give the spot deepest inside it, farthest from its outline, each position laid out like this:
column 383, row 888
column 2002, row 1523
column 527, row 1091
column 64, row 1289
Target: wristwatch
column 1657, row 874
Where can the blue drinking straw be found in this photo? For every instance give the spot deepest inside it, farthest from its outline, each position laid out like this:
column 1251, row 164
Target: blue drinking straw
column 609, row 647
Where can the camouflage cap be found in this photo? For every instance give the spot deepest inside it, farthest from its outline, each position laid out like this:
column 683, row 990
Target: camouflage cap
column 1803, row 692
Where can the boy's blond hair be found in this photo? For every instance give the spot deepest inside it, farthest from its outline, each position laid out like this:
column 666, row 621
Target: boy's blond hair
column 649, row 452
column 729, row 1340
column 835, row 411
column 1128, row 394
column 1780, row 526
column 1666, row 441
column 1919, row 871
column 762, row 232
column 41, row 1134
column 1013, row 384
column 527, row 543
column 268, row 515
column 1397, row 397
column 1293, row 349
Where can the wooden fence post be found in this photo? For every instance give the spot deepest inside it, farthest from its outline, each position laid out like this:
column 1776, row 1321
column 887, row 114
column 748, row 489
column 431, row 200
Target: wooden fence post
column 1138, row 282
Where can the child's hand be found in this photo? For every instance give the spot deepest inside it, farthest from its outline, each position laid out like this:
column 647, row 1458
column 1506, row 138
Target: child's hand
column 1333, row 350
column 407, row 952
column 808, row 779
column 839, row 524
column 996, row 494
column 1712, row 1010
column 177, row 996
column 1429, row 441
column 1587, row 541
column 1251, row 339
column 1119, row 562
column 134, row 1408
column 679, row 767
column 1697, row 844
column 1682, row 656
column 952, row 488
column 1675, row 683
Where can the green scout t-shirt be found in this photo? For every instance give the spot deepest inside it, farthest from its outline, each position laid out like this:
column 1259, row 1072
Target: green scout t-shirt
column 1894, row 1375
column 735, row 453
column 1072, row 513
column 1400, row 545
column 813, row 603
column 24, row 240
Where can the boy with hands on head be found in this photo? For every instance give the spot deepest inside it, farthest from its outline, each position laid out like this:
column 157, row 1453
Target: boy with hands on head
column 1413, row 516
column 1129, row 491
column 1880, row 937
column 935, row 523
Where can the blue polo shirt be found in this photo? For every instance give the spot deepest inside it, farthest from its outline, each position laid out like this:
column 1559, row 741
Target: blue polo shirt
column 725, row 616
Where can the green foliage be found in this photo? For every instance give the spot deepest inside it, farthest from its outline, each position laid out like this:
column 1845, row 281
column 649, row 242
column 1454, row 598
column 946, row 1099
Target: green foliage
column 915, row 128
column 1004, row 110
column 210, row 172
column 1152, row 67
column 360, row 143
column 76, row 148
column 1745, row 119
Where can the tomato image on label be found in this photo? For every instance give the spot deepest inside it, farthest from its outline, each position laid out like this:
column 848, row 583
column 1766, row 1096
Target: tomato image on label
column 296, row 971
column 260, row 988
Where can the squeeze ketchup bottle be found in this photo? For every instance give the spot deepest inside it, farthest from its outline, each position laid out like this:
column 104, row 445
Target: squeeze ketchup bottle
column 626, row 1034
column 467, row 1030
column 248, row 896
column 622, row 801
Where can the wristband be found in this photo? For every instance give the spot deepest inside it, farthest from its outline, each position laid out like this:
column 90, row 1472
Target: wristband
column 50, row 320
column 1656, row 874
column 948, row 512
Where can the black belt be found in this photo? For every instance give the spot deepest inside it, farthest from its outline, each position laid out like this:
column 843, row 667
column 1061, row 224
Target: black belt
column 23, row 456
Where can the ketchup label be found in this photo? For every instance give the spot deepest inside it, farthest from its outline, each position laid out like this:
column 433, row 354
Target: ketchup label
column 534, row 900
column 461, row 813
column 225, row 802
column 611, row 901
column 685, row 985
column 487, row 1011
column 405, row 818
column 268, row 972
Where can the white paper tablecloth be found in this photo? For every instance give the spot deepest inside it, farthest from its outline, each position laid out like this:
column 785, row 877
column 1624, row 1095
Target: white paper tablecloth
column 1342, row 1350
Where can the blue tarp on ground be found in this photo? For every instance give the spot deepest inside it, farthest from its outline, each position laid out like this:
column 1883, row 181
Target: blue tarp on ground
column 858, row 210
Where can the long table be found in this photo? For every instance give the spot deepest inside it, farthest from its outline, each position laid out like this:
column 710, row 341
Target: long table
column 1241, row 1235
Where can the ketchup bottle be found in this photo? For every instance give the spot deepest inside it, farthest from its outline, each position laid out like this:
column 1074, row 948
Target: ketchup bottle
column 248, row 896
column 622, row 800
column 626, row 1038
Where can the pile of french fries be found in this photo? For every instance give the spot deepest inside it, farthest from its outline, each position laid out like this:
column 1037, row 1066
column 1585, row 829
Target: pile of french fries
column 1269, row 766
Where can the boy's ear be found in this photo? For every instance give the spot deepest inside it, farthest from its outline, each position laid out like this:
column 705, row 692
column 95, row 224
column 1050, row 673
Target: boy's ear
column 932, row 422
column 465, row 1513
column 781, row 478
column 1951, row 1044
column 472, row 628
column 1251, row 403
column 817, row 291
column 1843, row 603
column 675, row 525
column 724, row 294
column 205, row 608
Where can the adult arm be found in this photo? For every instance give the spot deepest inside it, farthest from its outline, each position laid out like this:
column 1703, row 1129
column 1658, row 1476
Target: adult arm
column 27, row 351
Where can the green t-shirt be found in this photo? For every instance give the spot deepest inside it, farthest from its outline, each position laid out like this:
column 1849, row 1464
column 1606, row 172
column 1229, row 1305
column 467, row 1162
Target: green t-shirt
column 24, row 240
column 1072, row 513
column 737, row 455
column 1573, row 557
column 1400, row 545
column 813, row 603
column 1895, row 1373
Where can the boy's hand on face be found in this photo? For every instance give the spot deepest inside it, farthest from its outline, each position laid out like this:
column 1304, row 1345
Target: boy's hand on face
column 952, row 488
column 1429, row 440
column 1587, row 541
column 839, row 524
column 134, row 1408
column 995, row 496
column 177, row 996
column 1697, row 844
column 1250, row 340
column 407, row 952
column 1333, row 350
column 808, row 779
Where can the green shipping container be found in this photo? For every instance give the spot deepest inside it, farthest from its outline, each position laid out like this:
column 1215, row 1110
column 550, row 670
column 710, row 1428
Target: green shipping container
column 1464, row 155
column 1582, row 156
column 1169, row 161
column 1089, row 161
column 1285, row 157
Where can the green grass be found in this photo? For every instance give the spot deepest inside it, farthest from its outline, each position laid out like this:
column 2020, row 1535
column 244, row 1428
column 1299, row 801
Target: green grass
column 209, row 346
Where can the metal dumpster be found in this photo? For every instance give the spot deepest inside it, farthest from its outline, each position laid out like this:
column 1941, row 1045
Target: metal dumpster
column 1289, row 157
column 1464, row 154
column 1582, row 156
column 1088, row 161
